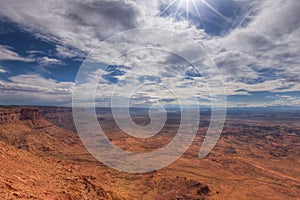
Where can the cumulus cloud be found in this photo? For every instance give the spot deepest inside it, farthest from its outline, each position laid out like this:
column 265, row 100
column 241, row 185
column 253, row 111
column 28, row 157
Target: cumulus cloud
column 265, row 51
column 258, row 51
column 79, row 24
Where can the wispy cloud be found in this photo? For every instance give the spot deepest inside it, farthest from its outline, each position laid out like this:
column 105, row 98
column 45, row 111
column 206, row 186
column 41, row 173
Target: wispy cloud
column 7, row 53
column 256, row 51
column 48, row 61
column 79, row 24
column 34, row 89
column 3, row 70
column 266, row 51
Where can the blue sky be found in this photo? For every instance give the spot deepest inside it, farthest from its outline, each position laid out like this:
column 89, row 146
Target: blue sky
column 255, row 44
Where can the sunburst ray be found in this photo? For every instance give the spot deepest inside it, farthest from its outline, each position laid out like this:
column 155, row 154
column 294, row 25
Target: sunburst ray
column 179, row 6
column 197, row 11
column 167, row 8
column 214, row 10
column 195, row 7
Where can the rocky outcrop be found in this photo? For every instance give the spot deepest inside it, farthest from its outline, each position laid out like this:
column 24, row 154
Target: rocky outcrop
column 181, row 188
column 60, row 116
column 14, row 115
column 37, row 160
column 30, row 113
column 9, row 115
column 25, row 128
column 24, row 175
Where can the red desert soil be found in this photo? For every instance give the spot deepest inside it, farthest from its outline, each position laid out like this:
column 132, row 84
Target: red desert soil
column 252, row 160
column 39, row 160
column 26, row 176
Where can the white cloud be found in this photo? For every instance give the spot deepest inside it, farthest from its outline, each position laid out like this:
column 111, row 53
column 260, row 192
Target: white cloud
column 6, row 53
column 75, row 23
column 3, row 70
column 265, row 51
column 48, row 61
column 261, row 55
column 34, row 89
column 286, row 102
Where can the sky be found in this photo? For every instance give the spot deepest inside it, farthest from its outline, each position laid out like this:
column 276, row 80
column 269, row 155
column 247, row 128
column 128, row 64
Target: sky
column 254, row 45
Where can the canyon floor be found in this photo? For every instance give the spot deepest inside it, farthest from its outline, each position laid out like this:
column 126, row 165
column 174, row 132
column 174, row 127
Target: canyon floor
column 257, row 157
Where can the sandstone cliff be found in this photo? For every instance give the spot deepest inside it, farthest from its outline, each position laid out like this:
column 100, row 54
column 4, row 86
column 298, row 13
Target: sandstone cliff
column 25, row 128
column 36, row 160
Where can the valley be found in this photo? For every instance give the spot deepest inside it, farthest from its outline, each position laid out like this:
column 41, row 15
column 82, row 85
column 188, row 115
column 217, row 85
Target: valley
column 42, row 157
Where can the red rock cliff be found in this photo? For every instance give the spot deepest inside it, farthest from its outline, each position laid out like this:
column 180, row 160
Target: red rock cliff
column 13, row 115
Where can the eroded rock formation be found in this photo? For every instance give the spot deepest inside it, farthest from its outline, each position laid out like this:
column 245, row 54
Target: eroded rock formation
column 13, row 115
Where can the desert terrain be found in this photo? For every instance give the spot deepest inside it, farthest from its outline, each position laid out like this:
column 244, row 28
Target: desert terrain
column 42, row 157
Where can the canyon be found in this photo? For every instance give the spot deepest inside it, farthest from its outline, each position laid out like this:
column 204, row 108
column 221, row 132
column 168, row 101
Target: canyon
column 17, row 114
column 42, row 157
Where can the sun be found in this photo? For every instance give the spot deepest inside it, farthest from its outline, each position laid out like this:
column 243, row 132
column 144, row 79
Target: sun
column 189, row 5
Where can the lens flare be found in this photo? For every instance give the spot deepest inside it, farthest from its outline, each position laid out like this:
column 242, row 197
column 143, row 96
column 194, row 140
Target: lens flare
column 189, row 6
